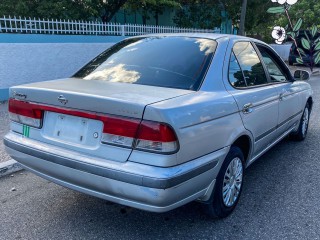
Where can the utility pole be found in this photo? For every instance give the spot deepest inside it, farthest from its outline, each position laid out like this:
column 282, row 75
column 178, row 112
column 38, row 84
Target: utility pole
column 243, row 17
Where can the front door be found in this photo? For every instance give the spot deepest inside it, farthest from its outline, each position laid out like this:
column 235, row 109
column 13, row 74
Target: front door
column 289, row 98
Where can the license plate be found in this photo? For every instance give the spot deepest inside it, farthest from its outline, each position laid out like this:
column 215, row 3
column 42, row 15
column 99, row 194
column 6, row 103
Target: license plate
column 71, row 129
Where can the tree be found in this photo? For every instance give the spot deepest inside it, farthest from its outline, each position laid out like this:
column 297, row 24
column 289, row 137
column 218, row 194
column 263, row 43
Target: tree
column 308, row 10
column 109, row 7
column 155, row 7
column 75, row 9
column 243, row 18
column 198, row 14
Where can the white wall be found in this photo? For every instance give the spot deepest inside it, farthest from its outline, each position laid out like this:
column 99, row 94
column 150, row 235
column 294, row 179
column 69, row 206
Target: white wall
column 282, row 50
column 32, row 62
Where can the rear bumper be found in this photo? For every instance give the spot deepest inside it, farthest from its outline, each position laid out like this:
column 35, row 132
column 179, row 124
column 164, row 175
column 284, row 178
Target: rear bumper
column 133, row 184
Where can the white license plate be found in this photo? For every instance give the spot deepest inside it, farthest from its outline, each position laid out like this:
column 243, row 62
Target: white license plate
column 72, row 129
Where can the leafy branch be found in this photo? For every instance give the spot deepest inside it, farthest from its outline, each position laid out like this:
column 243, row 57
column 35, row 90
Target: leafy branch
column 309, row 54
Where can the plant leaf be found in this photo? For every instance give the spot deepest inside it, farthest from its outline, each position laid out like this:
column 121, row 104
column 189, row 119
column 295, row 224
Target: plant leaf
column 305, row 43
column 317, row 59
column 276, row 10
column 302, row 52
column 305, row 33
column 298, row 25
column 299, row 60
column 314, row 30
column 317, row 47
column 292, row 34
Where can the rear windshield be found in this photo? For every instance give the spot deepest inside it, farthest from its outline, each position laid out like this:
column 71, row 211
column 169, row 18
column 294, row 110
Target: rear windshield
column 174, row 62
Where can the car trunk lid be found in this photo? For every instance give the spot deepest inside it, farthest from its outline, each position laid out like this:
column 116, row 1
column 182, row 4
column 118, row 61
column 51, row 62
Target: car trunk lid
column 63, row 102
column 96, row 96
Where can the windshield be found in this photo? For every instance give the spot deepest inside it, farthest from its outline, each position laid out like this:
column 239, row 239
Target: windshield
column 174, row 62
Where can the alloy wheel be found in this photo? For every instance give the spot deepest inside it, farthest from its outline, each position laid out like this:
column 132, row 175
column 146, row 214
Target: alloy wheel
column 305, row 121
column 232, row 182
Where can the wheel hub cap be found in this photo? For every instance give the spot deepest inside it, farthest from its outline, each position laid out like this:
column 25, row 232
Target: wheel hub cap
column 232, row 182
column 305, row 121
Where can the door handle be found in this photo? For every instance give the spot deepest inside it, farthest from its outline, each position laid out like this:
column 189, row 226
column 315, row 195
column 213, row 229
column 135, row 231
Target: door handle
column 281, row 96
column 285, row 92
column 247, row 108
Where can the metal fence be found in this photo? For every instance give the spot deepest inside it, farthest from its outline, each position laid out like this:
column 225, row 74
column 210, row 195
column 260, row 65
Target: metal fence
column 46, row 26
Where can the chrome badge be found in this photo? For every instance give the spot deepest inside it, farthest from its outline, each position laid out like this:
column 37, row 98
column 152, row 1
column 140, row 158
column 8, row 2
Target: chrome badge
column 19, row 95
column 62, row 99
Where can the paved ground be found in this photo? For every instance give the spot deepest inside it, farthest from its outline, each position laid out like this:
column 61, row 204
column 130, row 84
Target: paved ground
column 279, row 201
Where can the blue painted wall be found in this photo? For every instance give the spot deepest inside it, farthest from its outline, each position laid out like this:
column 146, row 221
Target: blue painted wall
column 4, row 94
column 46, row 38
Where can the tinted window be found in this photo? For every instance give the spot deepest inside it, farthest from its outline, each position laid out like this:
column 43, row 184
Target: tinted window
column 235, row 73
column 250, row 64
column 175, row 62
column 275, row 72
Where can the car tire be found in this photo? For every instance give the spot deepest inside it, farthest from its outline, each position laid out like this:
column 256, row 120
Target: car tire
column 302, row 131
column 228, row 187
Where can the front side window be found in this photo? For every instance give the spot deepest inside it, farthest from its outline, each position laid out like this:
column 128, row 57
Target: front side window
column 275, row 71
column 174, row 62
column 250, row 64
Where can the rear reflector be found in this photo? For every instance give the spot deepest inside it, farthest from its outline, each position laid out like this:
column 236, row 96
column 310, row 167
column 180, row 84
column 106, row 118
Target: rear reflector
column 121, row 131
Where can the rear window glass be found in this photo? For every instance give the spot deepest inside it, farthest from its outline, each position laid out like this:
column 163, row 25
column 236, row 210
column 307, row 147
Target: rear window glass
column 174, row 62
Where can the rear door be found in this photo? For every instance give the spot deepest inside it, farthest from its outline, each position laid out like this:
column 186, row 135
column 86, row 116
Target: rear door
column 257, row 99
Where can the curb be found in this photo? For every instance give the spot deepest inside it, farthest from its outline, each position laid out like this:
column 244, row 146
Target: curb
column 9, row 167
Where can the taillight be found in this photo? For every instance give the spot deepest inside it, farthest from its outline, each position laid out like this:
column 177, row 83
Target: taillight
column 25, row 113
column 147, row 135
column 156, row 137
column 119, row 131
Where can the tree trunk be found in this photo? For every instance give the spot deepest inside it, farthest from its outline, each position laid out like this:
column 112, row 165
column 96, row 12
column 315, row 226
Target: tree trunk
column 243, row 17
column 111, row 9
column 144, row 20
column 157, row 18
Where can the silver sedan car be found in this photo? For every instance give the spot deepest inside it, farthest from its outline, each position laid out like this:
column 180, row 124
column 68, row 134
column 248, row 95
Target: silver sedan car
column 157, row 121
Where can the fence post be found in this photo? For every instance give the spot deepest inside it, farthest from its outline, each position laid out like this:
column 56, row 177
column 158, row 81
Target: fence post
column 10, row 23
column 5, row 23
column 122, row 30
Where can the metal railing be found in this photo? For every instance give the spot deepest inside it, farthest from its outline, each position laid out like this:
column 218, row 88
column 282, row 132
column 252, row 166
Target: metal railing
column 47, row 26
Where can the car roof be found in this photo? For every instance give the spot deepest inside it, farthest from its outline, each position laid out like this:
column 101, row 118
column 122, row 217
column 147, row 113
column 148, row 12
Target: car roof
column 213, row 36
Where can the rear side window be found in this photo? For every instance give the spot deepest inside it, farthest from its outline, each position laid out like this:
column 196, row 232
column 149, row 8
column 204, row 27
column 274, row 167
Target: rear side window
column 250, row 64
column 236, row 77
column 174, row 62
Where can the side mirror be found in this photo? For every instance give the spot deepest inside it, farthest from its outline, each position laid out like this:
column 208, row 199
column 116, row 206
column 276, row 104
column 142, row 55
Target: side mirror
column 301, row 75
